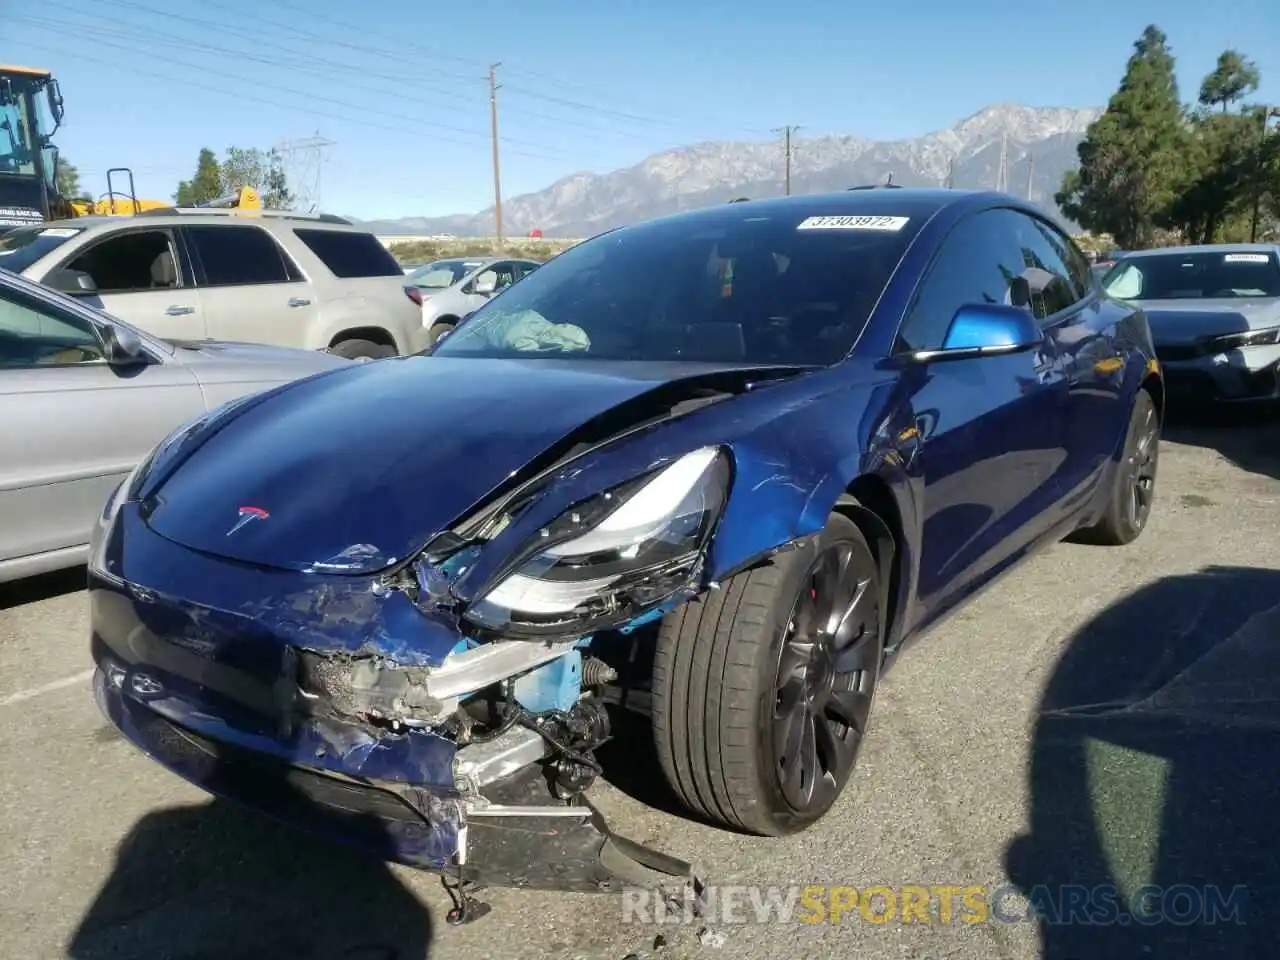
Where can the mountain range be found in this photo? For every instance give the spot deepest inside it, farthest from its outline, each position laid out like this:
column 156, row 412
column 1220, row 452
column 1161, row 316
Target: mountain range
column 1038, row 143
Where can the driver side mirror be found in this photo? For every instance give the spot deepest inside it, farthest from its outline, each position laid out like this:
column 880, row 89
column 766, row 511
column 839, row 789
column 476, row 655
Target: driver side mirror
column 485, row 284
column 122, row 347
column 983, row 330
column 77, row 283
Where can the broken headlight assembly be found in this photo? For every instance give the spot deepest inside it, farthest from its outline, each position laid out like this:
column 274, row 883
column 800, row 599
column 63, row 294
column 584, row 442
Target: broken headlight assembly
column 607, row 558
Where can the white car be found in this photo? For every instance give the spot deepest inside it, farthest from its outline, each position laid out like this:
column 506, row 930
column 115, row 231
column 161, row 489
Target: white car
column 450, row 289
column 288, row 280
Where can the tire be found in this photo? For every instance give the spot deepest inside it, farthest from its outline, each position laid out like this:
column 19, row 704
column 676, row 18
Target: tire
column 716, row 688
column 362, row 350
column 1133, row 485
column 439, row 329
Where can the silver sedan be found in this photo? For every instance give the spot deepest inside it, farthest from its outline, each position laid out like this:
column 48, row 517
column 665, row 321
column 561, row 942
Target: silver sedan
column 84, row 397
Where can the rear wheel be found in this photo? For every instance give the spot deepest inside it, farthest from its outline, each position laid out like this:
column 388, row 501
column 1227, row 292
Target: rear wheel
column 439, row 329
column 362, row 350
column 1133, row 486
column 762, row 689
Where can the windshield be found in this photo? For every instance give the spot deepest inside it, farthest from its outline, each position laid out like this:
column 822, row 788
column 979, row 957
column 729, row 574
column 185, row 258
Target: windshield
column 442, row 273
column 1195, row 276
column 23, row 246
column 726, row 288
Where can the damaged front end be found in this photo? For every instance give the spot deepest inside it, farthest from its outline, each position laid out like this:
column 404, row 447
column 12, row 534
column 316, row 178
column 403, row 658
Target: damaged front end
column 443, row 713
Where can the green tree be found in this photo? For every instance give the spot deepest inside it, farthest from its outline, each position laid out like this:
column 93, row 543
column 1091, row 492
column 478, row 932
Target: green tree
column 260, row 169
column 206, row 185
column 1131, row 159
column 1224, row 159
column 1231, row 80
column 68, row 180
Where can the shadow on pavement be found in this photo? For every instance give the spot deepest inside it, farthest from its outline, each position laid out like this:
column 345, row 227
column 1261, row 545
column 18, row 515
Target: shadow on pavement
column 1156, row 761
column 1248, row 438
column 217, row 882
column 46, row 586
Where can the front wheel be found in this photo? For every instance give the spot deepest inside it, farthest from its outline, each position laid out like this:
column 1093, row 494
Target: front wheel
column 762, row 689
column 438, row 330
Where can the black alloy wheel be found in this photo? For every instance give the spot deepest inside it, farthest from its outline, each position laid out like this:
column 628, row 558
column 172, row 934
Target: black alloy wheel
column 1133, row 487
column 762, row 688
column 828, row 667
column 1140, row 472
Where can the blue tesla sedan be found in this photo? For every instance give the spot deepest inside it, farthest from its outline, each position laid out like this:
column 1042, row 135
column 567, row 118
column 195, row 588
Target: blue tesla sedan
column 719, row 468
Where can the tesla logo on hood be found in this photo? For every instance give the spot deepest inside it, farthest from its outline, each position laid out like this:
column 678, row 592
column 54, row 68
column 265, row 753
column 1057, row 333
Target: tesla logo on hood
column 247, row 515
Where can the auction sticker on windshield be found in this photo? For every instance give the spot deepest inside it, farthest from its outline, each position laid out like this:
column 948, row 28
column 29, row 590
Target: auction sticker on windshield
column 1246, row 258
column 892, row 224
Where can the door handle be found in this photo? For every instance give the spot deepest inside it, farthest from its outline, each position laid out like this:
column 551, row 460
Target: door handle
column 179, row 311
column 299, row 302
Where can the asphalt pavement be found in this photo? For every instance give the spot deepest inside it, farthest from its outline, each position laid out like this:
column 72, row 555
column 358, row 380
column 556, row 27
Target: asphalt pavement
column 1100, row 716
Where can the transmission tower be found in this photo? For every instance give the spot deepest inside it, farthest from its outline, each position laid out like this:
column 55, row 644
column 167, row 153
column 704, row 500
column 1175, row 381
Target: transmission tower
column 303, row 162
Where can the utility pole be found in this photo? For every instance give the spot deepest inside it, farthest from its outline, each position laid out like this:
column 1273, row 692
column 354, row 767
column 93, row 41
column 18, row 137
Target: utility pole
column 493, row 123
column 1267, row 114
column 951, row 173
column 787, row 132
column 1031, row 172
column 1002, row 174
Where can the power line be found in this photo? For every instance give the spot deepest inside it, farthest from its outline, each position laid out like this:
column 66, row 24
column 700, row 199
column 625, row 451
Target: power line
column 299, row 64
column 54, row 26
column 787, row 132
column 497, row 177
column 301, row 95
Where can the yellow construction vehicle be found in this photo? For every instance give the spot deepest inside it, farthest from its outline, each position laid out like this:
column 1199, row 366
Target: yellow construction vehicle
column 30, row 113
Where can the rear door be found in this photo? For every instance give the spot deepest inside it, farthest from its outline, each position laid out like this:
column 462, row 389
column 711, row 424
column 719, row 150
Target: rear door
column 250, row 289
column 988, row 430
column 145, row 278
column 71, row 425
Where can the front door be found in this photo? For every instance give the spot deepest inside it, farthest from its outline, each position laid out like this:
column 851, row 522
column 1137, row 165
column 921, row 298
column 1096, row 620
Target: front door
column 73, row 425
column 988, row 454
column 144, row 278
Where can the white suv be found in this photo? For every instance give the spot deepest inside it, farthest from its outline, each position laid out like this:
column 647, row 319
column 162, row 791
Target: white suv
column 204, row 274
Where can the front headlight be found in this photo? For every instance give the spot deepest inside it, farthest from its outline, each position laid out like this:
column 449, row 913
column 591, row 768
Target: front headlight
column 1246, row 338
column 617, row 552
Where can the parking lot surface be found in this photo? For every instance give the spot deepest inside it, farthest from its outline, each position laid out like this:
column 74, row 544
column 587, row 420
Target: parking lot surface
column 1101, row 716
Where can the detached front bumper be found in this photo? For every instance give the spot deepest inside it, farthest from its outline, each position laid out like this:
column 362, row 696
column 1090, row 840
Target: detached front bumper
column 1248, row 375
column 510, row 833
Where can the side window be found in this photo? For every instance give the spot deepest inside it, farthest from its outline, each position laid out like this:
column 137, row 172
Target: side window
column 1048, row 272
column 350, row 254
column 239, row 255
column 131, row 261
column 32, row 335
column 976, row 264
column 506, row 273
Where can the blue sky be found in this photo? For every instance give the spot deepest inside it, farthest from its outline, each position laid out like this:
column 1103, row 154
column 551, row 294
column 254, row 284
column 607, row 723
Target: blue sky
column 400, row 87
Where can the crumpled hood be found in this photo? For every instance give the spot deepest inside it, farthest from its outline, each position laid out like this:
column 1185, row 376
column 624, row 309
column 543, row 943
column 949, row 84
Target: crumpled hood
column 1185, row 321
column 355, row 470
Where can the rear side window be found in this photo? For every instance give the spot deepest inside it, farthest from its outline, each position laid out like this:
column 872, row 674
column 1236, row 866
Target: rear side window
column 349, row 254
column 236, row 255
